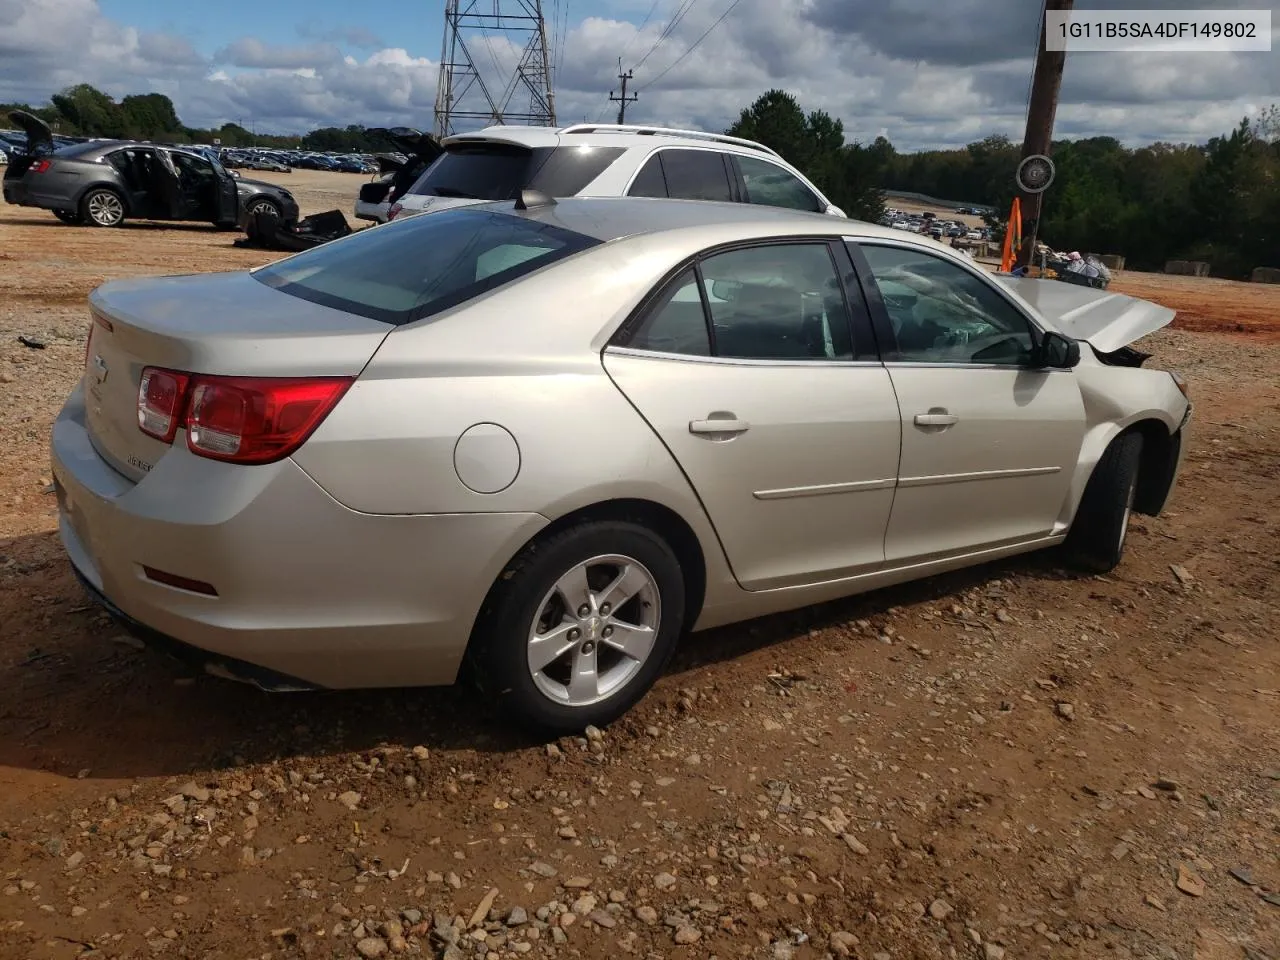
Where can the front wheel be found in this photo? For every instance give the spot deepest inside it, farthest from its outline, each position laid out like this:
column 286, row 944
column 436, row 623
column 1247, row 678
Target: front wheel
column 580, row 625
column 1101, row 524
column 265, row 207
column 102, row 208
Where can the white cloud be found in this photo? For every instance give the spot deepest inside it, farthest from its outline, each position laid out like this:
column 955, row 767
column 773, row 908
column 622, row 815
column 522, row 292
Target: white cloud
column 921, row 72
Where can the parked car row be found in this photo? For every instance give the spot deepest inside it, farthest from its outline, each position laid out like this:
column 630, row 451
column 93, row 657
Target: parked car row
column 931, row 225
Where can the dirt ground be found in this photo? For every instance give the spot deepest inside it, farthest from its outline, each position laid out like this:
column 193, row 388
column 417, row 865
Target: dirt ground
column 1009, row 762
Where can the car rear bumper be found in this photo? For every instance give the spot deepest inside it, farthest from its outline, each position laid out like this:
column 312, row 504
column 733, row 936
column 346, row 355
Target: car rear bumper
column 17, row 192
column 305, row 587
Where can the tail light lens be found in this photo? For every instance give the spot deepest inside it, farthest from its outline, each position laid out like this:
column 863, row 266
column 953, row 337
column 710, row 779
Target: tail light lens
column 246, row 420
column 40, row 166
column 161, row 398
column 393, row 211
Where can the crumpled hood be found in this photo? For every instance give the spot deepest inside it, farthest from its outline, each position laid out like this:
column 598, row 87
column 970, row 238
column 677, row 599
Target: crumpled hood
column 1106, row 321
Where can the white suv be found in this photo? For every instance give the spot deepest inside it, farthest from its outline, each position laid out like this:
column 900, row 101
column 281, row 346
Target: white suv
column 608, row 160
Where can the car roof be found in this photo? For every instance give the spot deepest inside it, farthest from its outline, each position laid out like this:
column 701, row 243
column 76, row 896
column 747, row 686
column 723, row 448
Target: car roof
column 606, row 134
column 616, row 218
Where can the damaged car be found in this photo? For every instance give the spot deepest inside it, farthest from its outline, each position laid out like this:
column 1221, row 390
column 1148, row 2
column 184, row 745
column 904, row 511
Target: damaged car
column 102, row 183
column 547, row 439
column 396, row 173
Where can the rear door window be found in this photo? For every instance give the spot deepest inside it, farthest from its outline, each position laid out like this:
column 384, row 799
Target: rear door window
column 696, row 175
column 414, row 268
column 650, row 181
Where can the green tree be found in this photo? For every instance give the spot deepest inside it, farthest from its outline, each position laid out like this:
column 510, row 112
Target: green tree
column 90, row 111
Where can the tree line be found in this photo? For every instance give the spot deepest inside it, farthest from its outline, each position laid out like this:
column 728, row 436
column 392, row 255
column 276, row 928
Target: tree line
column 1218, row 202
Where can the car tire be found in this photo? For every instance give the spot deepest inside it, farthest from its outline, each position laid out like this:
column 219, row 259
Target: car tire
column 264, row 205
column 68, row 216
column 526, row 620
column 1096, row 540
column 102, row 207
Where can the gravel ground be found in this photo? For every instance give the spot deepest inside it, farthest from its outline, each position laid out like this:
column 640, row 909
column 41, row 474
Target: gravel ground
column 1005, row 762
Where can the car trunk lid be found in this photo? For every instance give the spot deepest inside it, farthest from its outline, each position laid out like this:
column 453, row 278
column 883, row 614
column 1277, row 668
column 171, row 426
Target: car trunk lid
column 228, row 324
column 39, row 143
column 1106, row 321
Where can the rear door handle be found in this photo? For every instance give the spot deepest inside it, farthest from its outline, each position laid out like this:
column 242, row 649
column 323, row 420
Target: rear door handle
column 936, row 419
column 714, row 426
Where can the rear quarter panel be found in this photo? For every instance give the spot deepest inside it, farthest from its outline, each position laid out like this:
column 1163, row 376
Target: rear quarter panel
column 527, row 358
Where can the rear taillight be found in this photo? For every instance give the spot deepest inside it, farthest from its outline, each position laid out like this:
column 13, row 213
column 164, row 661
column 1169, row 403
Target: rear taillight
column 162, row 397
column 40, row 166
column 238, row 419
column 394, row 211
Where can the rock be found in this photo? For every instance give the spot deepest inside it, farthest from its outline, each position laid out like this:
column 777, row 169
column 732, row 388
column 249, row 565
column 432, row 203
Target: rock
column 371, row 947
column 757, row 901
column 577, row 883
column 647, row 915
column 1154, row 902
column 1182, row 573
column 1166, row 784
column 517, row 917
column 940, row 909
column 421, row 753
column 391, row 929
column 193, row 791
column 664, row 881
column 584, row 905
column 75, row 860
column 411, row 916
column 991, row 952
column 1243, row 874
column 602, row 918
column 350, row 799
column 854, row 844
column 542, row 869
column 1146, row 793
column 594, row 734
column 1065, row 710
column 842, row 943
column 78, row 911
column 1189, row 882
column 398, row 944
column 686, row 934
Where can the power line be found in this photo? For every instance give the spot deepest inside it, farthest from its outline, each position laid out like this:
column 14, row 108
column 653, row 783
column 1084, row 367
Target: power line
column 643, row 23
column 681, row 10
column 682, row 56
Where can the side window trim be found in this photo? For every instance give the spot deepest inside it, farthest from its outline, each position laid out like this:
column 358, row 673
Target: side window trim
column 866, row 351
column 654, row 156
column 880, row 314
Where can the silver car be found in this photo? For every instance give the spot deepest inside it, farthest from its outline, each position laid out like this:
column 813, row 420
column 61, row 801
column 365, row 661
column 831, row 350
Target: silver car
column 550, row 439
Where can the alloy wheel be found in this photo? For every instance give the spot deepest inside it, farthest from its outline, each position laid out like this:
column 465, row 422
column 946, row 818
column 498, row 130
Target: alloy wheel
column 265, row 206
column 105, row 209
column 594, row 630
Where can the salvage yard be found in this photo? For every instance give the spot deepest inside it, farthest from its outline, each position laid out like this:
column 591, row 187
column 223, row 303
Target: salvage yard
column 1008, row 762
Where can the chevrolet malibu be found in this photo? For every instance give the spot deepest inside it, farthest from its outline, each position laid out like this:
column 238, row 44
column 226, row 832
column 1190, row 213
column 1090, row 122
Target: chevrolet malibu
column 548, row 439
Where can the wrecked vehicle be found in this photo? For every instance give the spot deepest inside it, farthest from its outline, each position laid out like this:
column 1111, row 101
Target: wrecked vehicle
column 351, row 467
column 102, row 183
column 396, row 175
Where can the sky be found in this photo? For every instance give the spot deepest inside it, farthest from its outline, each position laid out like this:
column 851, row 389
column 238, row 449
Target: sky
column 924, row 73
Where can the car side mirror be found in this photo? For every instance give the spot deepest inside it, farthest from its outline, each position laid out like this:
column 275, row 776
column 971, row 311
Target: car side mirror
column 1058, row 351
column 726, row 290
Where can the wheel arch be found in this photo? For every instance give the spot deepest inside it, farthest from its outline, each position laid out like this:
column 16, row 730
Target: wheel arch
column 105, row 185
column 661, row 519
column 1161, row 448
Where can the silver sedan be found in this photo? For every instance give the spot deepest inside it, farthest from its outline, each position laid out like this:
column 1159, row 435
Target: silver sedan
column 550, row 439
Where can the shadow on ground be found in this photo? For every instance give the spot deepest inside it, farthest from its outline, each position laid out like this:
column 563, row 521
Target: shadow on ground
column 81, row 696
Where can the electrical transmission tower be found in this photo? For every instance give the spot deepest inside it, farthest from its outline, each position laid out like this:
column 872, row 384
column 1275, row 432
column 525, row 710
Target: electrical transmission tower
column 520, row 93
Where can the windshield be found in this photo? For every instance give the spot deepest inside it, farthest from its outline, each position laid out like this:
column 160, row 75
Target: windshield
column 417, row 267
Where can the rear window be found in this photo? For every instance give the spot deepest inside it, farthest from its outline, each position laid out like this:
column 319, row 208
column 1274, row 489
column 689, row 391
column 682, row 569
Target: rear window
column 499, row 171
column 414, row 268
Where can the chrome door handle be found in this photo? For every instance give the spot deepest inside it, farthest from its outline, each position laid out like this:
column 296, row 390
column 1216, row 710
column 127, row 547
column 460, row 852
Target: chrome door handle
column 718, row 426
column 936, row 419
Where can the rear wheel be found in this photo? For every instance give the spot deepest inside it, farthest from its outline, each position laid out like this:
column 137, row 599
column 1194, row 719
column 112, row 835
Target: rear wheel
column 580, row 625
column 68, row 216
column 1101, row 525
column 102, row 208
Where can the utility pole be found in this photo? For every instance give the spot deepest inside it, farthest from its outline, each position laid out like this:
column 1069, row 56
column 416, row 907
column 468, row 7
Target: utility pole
column 1045, row 85
column 623, row 100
